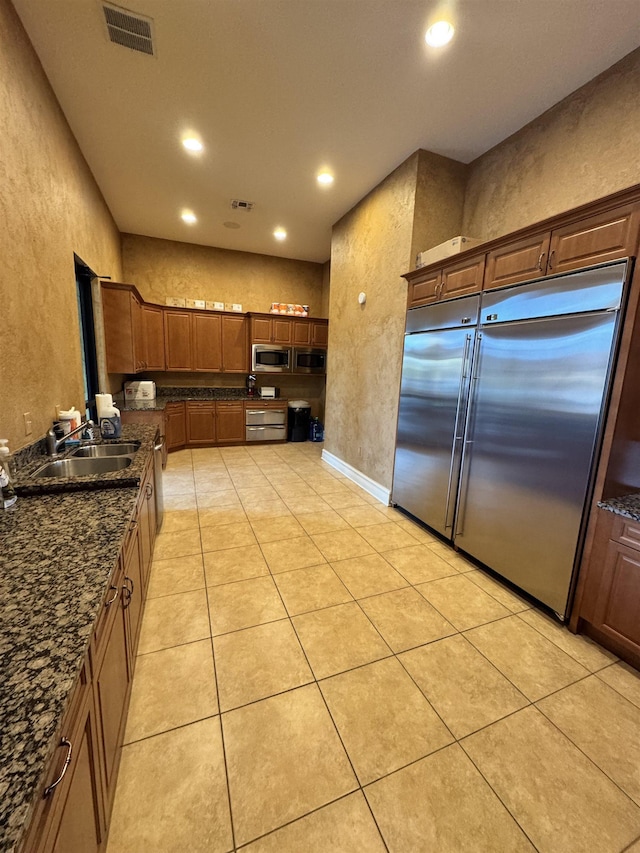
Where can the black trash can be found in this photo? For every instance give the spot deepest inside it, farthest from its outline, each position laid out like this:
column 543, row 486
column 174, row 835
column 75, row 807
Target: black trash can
column 298, row 423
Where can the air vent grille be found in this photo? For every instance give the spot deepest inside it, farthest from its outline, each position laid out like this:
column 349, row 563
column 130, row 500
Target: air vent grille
column 238, row 204
column 129, row 30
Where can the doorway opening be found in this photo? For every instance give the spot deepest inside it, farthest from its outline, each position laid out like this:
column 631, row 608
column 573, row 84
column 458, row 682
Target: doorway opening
column 84, row 277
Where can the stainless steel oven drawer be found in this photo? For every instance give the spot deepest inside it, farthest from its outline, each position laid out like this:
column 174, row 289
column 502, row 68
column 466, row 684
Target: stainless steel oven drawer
column 266, row 433
column 265, row 417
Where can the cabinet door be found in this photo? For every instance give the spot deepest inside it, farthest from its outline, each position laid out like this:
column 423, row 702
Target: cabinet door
column 261, row 330
column 118, row 329
column 235, row 348
column 230, row 426
column 146, row 527
column 137, row 334
column 201, row 424
column 153, row 333
column 207, row 342
column 425, row 290
column 112, row 693
column 617, row 612
column 176, row 433
column 319, row 333
column 516, row 262
column 133, row 590
column 604, row 237
column 177, row 340
column 301, row 333
column 462, row 278
column 282, row 332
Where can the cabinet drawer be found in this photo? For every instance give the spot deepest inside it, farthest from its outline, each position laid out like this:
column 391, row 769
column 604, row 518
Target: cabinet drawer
column 626, row 531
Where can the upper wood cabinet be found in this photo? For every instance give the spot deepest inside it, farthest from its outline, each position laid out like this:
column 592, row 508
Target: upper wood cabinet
column 519, row 261
column 235, row 345
column 206, row 331
column 269, row 329
column 123, row 335
column 177, row 339
column 153, row 337
column 457, row 279
column 603, row 237
column 319, row 333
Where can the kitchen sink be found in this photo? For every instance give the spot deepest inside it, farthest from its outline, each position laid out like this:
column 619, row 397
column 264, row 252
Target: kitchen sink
column 108, row 450
column 83, row 467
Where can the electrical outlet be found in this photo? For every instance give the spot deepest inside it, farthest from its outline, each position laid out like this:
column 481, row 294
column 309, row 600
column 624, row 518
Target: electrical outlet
column 28, row 423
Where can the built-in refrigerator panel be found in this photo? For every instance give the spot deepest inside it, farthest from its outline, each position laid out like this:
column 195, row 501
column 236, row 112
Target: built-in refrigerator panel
column 433, row 397
column 536, row 407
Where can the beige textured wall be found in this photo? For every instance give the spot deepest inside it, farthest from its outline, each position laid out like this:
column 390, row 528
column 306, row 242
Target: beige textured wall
column 161, row 268
column 50, row 208
column 583, row 148
column 417, row 206
column 440, row 191
column 370, row 249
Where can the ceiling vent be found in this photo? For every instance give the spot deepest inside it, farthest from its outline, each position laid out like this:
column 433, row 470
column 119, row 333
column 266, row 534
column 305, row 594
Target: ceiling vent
column 238, row 204
column 128, row 29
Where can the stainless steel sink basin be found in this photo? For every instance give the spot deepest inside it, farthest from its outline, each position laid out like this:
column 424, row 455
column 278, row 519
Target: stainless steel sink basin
column 83, row 467
column 109, row 450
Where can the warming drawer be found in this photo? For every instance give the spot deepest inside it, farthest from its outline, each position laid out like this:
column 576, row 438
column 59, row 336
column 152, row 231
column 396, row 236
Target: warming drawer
column 268, row 432
column 266, row 417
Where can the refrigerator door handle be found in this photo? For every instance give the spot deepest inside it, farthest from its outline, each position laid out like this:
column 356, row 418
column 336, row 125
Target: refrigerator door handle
column 448, row 522
column 466, row 441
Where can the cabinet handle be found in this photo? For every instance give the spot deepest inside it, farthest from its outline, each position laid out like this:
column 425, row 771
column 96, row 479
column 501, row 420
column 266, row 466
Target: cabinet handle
column 149, row 491
column 127, row 579
column 50, row 788
column 113, row 597
column 550, row 262
column 133, row 524
column 540, row 259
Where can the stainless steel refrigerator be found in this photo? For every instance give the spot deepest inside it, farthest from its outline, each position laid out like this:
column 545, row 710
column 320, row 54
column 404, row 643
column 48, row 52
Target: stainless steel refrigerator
column 502, row 403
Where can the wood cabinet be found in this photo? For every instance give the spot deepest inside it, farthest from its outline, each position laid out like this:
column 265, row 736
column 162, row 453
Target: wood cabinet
column 122, row 318
column 177, row 340
column 230, row 426
column 271, row 329
column 201, row 423
column 595, row 239
column 153, row 337
column 611, row 597
column 69, row 814
column 206, row 331
column 310, row 332
column 319, row 333
column 235, row 344
column 458, row 279
column 147, row 522
column 111, row 685
column 175, row 425
column 520, row 261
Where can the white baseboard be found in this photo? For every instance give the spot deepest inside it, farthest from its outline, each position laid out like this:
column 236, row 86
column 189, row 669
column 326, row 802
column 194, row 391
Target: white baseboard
column 379, row 492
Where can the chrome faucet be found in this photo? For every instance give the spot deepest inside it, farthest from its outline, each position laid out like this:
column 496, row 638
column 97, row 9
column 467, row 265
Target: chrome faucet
column 54, row 444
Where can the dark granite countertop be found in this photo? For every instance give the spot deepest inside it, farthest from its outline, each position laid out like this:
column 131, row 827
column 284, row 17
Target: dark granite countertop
column 179, row 395
column 58, row 553
column 127, row 477
column 628, row 506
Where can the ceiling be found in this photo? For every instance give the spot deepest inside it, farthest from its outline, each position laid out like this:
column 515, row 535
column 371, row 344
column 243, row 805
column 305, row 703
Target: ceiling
column 278, row 89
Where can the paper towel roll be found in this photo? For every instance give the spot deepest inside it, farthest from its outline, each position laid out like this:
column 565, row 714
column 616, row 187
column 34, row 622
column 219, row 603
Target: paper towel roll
column 104, row 405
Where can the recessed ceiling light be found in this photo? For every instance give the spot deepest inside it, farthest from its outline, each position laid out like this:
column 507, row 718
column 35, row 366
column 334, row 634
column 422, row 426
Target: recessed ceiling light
column 189, row 217
column 192, row 144
column 280, row 234
column 325, row 178
column 439, row 34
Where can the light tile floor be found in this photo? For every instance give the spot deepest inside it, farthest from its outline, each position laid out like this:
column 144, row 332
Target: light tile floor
column 318, row 673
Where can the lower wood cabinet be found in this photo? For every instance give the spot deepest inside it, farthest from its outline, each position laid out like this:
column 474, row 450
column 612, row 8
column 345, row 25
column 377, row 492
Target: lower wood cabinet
column 201, row 423
column 73, row 812
column 176, row 427
column 230, row 427
column 69, row 815
column 609, row 603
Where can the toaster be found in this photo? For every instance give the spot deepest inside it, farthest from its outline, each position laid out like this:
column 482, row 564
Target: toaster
column 140, row 390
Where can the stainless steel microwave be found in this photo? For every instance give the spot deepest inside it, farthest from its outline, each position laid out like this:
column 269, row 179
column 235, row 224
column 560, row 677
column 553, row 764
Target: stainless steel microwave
column 267, row 358
column 309, row 360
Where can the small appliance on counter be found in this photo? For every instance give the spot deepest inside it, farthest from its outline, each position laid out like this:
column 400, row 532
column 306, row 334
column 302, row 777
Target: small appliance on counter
column 251, row 385
column 269, row 392
column 140, row 390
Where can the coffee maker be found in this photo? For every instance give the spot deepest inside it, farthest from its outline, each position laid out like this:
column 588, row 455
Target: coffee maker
column 251, row 385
